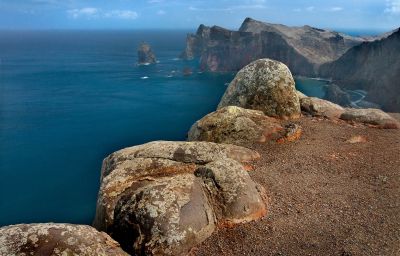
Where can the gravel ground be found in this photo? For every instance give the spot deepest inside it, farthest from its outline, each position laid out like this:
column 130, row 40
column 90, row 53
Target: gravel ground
column 327, row 196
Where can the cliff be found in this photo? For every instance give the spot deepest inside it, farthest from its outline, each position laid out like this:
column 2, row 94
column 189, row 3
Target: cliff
column 371, row 66
column 302, row 49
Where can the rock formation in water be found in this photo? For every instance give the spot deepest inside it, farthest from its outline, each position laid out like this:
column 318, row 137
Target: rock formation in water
column 371, row 66
column 302, row 49
column 57, row 240
column 163, row 198
column 265, row 85
column 146, row 55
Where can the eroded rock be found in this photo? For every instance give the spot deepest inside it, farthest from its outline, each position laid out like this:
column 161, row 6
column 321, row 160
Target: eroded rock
column 235, row 125
column 163, row 198
column 56, row 239
column 264, row 85
column 375, row 117
column 321, row 108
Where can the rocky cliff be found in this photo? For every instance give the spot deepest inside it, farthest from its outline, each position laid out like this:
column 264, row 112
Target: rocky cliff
column 371, row 66
column 303, row 49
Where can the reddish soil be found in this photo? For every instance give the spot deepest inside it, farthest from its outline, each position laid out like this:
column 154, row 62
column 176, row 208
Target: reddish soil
column 327, row 196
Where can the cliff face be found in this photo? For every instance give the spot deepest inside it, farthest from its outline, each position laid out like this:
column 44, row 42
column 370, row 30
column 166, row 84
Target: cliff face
column 303, row 49
column 372, row 66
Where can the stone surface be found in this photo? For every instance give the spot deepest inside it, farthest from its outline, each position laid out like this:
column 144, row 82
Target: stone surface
column 374, row 117
column 163, row 198
column 56, row 239
column 265, row 85
column 321, row 108
column 145, row 54
column 235, row 125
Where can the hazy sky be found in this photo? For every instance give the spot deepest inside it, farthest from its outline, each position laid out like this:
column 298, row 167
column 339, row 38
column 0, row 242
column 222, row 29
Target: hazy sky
column 134, row 14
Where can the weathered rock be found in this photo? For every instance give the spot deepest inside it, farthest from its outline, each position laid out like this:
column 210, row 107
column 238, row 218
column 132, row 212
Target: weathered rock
column 292, row 133
column 337, row 95
column 163, row 198
column 375, row 117
column 235, row 125
column 145, row 54
column 56, row 239
column 265, row 85
column 321, row 108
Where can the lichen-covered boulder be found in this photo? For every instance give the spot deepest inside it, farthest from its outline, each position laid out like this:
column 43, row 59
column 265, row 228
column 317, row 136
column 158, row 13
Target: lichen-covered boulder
column 374, row 117
column 56, row 239
column 235, row 125
column 163, row 198
column 321, row 108
column 265, row 85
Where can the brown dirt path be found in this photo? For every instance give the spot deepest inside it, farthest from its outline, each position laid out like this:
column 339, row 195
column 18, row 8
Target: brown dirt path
column 327, row 196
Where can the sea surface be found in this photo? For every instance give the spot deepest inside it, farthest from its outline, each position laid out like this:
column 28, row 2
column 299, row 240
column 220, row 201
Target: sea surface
column 70, row 98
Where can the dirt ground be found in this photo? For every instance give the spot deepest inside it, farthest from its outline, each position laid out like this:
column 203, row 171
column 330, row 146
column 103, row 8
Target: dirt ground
column 327, row 196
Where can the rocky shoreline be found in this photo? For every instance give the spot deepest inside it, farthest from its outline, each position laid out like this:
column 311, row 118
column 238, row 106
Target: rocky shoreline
column 166, row 198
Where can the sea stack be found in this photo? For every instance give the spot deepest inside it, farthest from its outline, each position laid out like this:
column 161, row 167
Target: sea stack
column 145, row 54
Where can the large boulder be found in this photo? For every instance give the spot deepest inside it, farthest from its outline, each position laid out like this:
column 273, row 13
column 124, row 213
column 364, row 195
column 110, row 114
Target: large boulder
column 56, row 239
column 145, row 54
column 321, row 108
column 235, row 125
column 370, row 116
column 163, row 198
column 264, row 85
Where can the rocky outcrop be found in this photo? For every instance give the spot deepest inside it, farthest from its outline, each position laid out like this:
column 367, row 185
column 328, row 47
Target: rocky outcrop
column 264, row 85
column 302, row 49
column 163, row 198
column 321, row 108
column 146, row 55
column 371, row 66
column 374, row 117
column 336, row 95
column 235, row 125
column 56, row 239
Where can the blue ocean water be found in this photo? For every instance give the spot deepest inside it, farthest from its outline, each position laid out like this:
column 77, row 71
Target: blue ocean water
column 70, row 98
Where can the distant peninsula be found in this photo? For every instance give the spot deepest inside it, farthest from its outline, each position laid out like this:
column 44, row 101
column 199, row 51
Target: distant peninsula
column 366, row 63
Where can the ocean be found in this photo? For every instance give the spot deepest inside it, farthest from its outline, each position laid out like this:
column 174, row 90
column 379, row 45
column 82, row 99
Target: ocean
column 70, row 98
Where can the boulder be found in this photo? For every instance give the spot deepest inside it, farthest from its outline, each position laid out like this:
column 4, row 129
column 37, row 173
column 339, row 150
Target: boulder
column 56, row 239
column 370, row 116
column 321, row 108
column 235, row 125
column 146, row 55
column 163, row 198
column 264, row 85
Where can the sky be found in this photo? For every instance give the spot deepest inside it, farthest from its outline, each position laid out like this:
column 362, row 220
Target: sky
column 188, row 14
